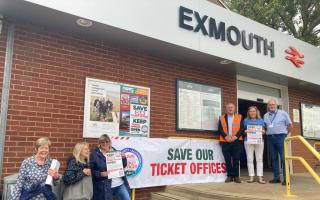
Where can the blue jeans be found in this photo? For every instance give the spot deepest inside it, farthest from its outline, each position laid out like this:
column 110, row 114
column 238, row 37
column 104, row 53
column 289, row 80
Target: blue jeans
column 121, row 192
column 276, row 147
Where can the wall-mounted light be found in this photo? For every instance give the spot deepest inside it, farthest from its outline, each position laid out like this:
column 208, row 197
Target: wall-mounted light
column 84, row 22
column 225, row 62
column 1, row 22
column 303, row 83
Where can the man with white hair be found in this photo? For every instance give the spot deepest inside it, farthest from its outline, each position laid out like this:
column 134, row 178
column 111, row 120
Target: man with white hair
column 278, row 125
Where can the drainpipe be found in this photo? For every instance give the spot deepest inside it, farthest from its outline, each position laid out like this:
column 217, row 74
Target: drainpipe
column 1, row 22
column 5, row 91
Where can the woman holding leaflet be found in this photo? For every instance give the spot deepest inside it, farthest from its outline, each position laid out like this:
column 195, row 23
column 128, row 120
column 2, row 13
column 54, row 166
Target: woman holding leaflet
column 254, row 118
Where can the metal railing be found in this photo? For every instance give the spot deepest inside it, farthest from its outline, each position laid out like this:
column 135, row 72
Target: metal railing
column 301, row 159
column 316, row 146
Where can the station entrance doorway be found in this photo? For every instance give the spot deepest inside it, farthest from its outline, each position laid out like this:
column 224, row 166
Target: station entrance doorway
column 252, row 92
column 243, row 106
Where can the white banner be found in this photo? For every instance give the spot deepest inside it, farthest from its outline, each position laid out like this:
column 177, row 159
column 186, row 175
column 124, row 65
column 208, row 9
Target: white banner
column 156, row 162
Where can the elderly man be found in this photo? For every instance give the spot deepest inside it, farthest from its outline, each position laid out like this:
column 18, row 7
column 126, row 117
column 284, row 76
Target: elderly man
column 231, row 141
column 278, row 125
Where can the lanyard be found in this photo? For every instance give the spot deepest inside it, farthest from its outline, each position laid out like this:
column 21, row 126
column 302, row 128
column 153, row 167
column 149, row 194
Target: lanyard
column 271, row 121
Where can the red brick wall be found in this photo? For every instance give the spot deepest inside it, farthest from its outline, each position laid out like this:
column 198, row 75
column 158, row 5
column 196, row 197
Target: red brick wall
column 298, row 149
column 47, row 91
column 48, row 83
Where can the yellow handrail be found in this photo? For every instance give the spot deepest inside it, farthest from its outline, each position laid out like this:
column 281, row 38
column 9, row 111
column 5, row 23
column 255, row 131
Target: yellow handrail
column 133, row 194
column 301, row 159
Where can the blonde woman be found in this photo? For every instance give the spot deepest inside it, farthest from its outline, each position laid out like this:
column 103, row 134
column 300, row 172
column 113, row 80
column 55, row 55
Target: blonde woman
column 254, row 118
column 77, row 177
column 33, row 174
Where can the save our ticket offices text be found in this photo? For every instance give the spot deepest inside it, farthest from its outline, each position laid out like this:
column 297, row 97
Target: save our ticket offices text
column 187, row 161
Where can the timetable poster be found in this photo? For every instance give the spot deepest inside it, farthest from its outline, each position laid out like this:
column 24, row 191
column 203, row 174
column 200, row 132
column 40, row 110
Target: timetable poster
column 199, row 106
column 116, row 109
column 310, row 114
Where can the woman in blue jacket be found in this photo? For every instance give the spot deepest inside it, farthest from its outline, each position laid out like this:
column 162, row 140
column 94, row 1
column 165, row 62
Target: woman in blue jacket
column 104, row 188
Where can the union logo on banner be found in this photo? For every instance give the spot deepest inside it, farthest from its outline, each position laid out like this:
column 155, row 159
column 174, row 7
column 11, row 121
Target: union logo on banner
column 134, row 161
column 295, row 56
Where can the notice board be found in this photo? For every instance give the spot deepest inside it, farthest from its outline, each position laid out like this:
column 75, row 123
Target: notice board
column 199, row 106
column 310, row 118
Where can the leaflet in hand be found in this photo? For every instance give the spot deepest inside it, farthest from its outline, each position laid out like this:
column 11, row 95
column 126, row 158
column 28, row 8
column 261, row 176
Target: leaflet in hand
column 254, row 134
column 55, row 164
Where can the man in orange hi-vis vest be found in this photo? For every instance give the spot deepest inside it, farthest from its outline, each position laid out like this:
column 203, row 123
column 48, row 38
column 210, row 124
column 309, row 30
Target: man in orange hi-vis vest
column 231, row 140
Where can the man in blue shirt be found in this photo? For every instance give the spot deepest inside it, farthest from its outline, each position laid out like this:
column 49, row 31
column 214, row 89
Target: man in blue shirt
column 278, row 126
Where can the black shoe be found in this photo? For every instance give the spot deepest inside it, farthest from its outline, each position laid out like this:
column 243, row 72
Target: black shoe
column 274, row 181
column 237, row 180
column 228, row 180
column 284, row 183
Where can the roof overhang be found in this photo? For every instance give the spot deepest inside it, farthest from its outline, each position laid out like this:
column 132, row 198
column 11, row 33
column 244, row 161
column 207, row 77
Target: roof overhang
column 153, row 26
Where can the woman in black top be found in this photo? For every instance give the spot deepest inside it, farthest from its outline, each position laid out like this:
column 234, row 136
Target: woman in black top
column 77, row 177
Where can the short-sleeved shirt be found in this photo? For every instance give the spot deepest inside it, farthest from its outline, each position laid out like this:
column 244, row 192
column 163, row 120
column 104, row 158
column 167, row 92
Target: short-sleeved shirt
column 279, row 121
column 247, row 122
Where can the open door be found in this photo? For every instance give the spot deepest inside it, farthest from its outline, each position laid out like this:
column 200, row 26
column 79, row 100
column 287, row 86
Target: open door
column 243, row 106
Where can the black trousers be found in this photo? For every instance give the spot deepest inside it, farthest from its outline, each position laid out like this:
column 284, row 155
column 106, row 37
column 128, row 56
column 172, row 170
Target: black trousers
column 231, row 152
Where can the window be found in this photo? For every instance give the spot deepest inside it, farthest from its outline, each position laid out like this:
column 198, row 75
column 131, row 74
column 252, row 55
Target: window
column 260, row 89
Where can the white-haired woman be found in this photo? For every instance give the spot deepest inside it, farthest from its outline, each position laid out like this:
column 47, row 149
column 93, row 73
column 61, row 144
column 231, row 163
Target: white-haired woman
column 33, row 174
column 77, row 177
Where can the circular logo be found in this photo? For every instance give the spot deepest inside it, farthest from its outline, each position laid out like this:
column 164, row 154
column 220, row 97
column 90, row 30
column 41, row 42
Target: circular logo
column 144, row 128
column 134, row 161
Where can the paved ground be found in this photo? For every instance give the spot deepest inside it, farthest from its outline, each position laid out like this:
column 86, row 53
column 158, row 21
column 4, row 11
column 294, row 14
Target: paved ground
column 303, row 187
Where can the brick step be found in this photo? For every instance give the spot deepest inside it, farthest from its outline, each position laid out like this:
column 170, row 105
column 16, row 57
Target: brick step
column 189, row 193
column 166, row 196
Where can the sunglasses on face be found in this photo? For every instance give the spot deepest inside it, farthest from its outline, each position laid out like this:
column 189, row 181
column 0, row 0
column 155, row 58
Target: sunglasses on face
column 104, row 142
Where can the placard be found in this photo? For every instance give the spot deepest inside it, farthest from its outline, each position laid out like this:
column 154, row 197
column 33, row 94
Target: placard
column 114, row 164
column 310, row 118
column 254, row 134
column 198, row 106
column 116, row 109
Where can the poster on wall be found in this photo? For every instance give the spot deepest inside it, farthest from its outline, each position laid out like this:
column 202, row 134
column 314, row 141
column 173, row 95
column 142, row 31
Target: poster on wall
column 115, row 109
column 310, row 117
column 198, row 106
column 161, row 161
